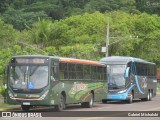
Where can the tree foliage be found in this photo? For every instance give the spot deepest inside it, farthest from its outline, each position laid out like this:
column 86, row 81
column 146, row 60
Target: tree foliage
column 20, row 13
column 77, row 36
column 7, row 34
column 130, row 35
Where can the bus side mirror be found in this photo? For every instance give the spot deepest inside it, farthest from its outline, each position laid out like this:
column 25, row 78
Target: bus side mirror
column 126, row 74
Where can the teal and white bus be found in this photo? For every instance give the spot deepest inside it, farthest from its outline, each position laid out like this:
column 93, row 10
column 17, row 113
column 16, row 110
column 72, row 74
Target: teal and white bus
column 130, row 78
column 37, row 80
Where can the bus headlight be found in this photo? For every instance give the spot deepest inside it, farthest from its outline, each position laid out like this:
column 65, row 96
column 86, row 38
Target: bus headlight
column 122, row 91
column 44, row 95
column 10, row 94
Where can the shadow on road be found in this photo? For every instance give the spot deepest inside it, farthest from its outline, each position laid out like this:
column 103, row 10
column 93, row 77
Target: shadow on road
column 124, row 102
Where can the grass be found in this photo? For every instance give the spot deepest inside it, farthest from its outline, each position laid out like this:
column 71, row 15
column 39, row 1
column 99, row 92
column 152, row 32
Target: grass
column 4, row 105
column 7, row 107
column 158, row 91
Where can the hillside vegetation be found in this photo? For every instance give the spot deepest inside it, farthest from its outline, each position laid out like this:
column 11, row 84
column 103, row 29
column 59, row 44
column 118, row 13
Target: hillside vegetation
column 77, row 28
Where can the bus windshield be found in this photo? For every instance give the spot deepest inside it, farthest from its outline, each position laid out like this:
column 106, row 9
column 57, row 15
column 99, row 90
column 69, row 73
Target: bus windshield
column 116, row 78
column 28, row 77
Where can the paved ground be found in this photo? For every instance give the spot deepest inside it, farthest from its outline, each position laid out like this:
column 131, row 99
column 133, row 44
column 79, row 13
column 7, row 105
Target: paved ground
column 99, row 111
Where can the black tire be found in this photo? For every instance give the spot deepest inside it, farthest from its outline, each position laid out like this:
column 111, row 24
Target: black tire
column 150, row 95
column 61, row 106
column 130, row 100
column 147, row 98
column 83, row 105
column 25, row 107
column 90, row 103
column 104, row 101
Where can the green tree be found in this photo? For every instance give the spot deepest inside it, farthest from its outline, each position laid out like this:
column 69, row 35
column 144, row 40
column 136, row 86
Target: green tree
column 4, row 5
column 147, row 28
column 7, row 35
column 148, row 6
column 20, row 19
column 83, row 51
column 40, row 33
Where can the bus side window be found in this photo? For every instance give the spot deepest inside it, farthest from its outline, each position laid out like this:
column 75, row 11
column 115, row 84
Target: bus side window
column 86, row 71
column 72, row 71
column 79, row 72
column 100, row 72
column 63, row 71
column 93, row 72
column 54, row 71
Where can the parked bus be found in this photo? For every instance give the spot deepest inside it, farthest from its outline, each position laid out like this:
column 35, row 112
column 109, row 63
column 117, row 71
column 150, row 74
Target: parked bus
column 130, row 78
column 37, row 80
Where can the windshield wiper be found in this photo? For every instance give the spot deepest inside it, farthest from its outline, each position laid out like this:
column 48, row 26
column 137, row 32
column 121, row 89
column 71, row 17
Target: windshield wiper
column 32, row 71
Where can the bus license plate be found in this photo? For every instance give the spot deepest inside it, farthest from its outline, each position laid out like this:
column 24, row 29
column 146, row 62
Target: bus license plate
column 26, row 103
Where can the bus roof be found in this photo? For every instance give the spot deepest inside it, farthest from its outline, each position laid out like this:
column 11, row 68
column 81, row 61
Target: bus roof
column 122, row 60
column 62, row 59
column 72, row 60
column 26, row 56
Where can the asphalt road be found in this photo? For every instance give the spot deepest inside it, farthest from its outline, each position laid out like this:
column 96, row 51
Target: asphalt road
column 111, row 110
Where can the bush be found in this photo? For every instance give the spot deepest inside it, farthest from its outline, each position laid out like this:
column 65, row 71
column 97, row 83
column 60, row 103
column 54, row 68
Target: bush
column 2, row 91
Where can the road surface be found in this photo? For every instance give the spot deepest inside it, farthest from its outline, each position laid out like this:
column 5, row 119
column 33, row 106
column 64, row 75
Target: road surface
column 111, row 110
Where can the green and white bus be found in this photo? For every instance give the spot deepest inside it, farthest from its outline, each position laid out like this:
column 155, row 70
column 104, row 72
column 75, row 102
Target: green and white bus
column 37, row 80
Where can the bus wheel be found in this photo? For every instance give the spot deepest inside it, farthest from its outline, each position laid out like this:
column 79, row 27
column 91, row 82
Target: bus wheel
column 61, row 106
column 130, row 100
column 25, row 107
column 104, row 101
column 150, row 95
column 90, row 103
column 147, row 98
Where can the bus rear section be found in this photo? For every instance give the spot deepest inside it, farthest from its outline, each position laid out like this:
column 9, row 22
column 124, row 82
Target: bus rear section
column 130, row 78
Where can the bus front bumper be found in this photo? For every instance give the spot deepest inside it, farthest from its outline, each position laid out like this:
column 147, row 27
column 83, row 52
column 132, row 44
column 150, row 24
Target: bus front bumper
column 122, row 96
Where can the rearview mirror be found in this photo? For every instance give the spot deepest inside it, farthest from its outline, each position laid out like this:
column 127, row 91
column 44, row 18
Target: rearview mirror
column 126, row 74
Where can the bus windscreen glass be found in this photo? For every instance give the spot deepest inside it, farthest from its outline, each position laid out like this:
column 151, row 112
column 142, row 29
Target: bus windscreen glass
column 28, row 73
column 116, row 78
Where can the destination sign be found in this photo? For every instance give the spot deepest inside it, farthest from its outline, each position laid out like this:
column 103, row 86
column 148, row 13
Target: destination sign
column 29, row 60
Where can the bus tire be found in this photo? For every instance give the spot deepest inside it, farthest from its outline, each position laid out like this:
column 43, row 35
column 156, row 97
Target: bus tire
column 130, row 100
column 88, row 104
column 25, row 107
column 83, row 105
column 61, row 106
column 104, row 101
column 147, row 98
column 150, row 95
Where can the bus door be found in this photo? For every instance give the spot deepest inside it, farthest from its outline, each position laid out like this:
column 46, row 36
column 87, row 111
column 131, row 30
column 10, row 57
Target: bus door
column 130, row 74
column 54, row 75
